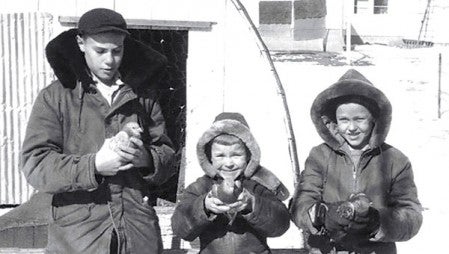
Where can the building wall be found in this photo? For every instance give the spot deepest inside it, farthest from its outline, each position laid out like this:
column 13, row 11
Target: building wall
column 23, row 72
column 224, row 67
column 403, row 20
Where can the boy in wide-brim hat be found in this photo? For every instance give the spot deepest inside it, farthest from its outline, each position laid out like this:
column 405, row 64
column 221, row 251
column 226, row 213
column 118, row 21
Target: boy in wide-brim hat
column 356, row 192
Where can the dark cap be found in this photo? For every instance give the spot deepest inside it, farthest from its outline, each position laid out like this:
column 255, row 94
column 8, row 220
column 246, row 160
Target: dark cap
column 102, row 20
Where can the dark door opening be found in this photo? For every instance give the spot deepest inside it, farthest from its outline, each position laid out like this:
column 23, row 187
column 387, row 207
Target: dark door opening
column 172, row 94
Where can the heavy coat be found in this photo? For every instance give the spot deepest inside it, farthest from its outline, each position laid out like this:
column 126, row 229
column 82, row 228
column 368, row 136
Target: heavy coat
column 384, row 174
column 248, row 233
column 69, row 122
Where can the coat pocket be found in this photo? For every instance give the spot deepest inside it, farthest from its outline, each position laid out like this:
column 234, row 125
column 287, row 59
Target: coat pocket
column 70, row 214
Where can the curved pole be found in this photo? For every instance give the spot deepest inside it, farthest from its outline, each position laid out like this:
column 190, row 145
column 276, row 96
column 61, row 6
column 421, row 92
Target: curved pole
column 280, row 89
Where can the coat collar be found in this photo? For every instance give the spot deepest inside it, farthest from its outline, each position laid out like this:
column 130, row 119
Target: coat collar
column 141, row 68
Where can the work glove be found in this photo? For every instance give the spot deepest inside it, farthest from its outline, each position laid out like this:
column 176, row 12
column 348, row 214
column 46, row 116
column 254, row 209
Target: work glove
column 317, row 215
column 365, row 224
column 333, row 220
column 365, row 219
column 335, row 224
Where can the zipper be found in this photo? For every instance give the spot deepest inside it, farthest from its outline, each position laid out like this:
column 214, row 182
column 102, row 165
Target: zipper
column 114, row 227
column 354, row 176
column 354, row 172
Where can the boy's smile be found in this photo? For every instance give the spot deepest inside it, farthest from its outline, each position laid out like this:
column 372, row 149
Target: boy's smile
column 229, row 158
column 355, row 124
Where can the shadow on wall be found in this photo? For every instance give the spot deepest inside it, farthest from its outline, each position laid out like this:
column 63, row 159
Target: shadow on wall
column 356, row 39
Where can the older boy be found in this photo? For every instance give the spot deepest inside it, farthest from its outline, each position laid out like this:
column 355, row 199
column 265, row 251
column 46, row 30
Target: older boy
column 99, row 202
column 237, row 204
column 356, row 192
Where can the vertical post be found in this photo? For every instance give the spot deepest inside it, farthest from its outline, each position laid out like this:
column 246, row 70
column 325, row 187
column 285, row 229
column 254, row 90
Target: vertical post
column 348, row 13
column 292, row 20
column 439, row 86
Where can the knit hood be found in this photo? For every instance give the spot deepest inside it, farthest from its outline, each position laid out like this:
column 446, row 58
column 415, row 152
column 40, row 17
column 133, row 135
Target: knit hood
column 141, row 65
column 235, row 124
column 352, row 86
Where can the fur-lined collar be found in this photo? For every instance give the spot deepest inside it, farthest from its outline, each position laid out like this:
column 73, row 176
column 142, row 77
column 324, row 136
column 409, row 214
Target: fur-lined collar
column 141, row 66
column 352, row 83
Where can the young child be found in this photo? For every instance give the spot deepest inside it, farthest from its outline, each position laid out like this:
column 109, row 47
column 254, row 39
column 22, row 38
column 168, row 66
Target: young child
column 356, row 192
column 237, row 204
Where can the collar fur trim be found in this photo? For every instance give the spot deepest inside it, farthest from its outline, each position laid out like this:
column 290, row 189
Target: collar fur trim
column 142, row 67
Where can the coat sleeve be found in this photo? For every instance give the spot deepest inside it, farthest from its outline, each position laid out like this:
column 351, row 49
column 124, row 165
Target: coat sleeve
column 190, row 218
column 43, row 162
column 160, row 147
column 402, row 218
column 309, row 190
column 269, row 216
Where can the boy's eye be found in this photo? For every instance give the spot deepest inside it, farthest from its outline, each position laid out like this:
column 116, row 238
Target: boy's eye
column 117, row 51
column 99, row 49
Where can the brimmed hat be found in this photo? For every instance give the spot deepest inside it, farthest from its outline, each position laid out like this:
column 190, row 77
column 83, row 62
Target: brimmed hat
column 352, row 87
column 101, row 20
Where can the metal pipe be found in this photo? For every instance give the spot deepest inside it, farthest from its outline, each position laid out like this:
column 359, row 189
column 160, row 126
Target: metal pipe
column 439, row 85
column 265, row 52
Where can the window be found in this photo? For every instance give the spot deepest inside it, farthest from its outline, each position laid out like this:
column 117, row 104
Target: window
column 370, row 6
column 380, row 6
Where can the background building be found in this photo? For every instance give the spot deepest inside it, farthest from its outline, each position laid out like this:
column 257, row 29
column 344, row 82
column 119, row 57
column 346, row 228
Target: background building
column 321, row 24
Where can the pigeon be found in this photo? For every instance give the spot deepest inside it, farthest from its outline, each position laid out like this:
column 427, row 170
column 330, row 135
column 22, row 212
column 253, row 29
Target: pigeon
column 228, row 191
column 356, row 205
column 121, row 139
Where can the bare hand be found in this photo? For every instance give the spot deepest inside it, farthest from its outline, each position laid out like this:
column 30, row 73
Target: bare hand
column 109, row 162
column 245, row 202
column 136, row 153
column 215, row 205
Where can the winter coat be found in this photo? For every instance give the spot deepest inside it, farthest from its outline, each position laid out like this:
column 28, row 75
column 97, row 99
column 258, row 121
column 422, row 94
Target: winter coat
column 383, row 173
column 68, row 125
column 248, row 233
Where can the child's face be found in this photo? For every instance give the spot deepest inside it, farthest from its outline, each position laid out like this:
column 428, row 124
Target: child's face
column 354, row 123
column 229, row 158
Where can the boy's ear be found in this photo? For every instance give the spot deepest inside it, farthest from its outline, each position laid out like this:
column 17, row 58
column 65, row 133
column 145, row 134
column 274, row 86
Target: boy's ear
column 331, row 126
column 326, row 120
column 80, row 42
